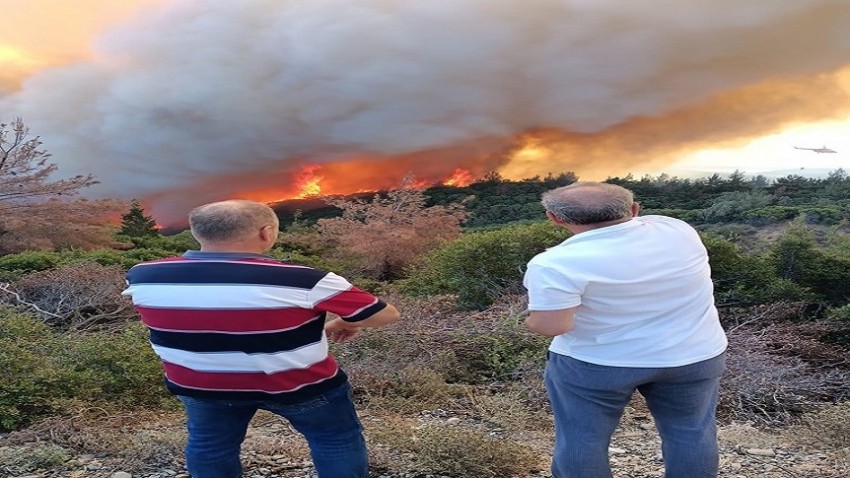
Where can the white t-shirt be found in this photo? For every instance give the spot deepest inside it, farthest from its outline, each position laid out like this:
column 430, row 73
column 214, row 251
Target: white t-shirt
column 643, row 291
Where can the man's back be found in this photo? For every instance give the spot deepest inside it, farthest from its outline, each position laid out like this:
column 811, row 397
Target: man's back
column 643, row 291
column 243, row 326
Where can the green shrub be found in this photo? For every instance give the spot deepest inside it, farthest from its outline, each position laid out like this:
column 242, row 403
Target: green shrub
column 104, row 257
column 175, row 244
column 797, row 257
column 28, row 351
column 841, row 313
column 29, row 261
column 118, row 367
column 479, row 267
column 741, row 278
column 45, row 370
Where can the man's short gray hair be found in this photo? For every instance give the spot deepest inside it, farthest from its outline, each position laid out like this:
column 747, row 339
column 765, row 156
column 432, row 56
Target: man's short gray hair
column 230, row 220
column 588, row 202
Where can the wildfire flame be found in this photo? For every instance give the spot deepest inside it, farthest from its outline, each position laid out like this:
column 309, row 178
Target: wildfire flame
column 308, row 181
column 460, row 177
column 315, row 180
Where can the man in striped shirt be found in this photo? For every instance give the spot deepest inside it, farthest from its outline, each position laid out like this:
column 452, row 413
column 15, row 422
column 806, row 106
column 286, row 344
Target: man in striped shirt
column 239, row 331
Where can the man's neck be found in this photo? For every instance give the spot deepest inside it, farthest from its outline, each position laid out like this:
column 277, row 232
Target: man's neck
column 233, row 248
column 579, row 228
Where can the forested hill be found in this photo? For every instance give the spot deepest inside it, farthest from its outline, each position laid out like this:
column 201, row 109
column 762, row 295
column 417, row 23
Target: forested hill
column 756, row 200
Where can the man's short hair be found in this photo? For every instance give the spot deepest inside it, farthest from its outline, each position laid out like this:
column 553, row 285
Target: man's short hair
column 230, row 220
column 588, row 202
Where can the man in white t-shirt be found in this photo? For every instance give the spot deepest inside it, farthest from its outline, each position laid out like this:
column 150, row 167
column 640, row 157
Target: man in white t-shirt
column 629, row 302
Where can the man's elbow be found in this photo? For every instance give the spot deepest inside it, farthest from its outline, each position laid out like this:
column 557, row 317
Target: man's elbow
column 392, row 314
column 385, row 316
column 547, row 327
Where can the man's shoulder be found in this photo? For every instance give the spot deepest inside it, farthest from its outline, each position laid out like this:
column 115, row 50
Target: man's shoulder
column 668, row 223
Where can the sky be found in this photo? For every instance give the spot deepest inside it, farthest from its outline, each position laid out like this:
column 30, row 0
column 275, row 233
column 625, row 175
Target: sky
column 179, row 102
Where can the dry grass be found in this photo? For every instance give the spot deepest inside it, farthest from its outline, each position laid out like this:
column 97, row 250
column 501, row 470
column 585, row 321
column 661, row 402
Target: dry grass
column 456, row 450
column 779, row 367
column 143, row 440
column 828, row 427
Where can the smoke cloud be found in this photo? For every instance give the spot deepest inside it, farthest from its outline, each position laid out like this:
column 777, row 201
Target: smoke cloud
column 206, row 99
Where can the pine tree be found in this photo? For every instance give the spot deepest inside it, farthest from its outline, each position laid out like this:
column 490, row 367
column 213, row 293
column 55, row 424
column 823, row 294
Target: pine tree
column 136, row 223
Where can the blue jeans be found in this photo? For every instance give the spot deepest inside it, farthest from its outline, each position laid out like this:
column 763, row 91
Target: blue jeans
column 588, row 401
column 328, row 422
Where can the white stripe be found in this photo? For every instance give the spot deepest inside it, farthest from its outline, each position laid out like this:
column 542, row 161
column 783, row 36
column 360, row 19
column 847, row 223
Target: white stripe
column 217, row 296
column 248, row 363
column 329, row 286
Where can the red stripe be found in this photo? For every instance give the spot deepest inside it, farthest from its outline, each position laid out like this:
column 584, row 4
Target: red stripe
column 280, row 382
column 226, row 320
column 347, row 303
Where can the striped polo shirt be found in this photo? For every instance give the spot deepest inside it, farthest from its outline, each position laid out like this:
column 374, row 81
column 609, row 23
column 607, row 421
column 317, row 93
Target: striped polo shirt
column 244, row 326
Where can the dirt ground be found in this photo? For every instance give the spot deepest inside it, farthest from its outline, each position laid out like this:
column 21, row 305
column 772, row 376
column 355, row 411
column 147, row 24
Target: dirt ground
column 150, row 448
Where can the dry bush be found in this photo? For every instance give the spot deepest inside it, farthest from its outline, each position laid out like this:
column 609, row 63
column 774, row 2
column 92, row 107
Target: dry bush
column 409, row 389
column 463, row 347
column 521, row 405
column 57, row 225
column 453, row 450
column 778, row 369
column 386, row 235
column 828, row 427
column 73, row 296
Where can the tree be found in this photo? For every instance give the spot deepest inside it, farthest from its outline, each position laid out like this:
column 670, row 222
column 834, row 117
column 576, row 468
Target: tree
column 25, row 171
column 386, row 235
column 136, row 223
column 38, row 212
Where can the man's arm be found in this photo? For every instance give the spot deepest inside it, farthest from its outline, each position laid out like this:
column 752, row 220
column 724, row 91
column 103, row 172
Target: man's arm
column 551, row 322
column 339, row 330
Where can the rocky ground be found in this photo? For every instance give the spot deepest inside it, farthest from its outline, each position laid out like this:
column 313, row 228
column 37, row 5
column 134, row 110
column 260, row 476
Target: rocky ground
column 272, row 450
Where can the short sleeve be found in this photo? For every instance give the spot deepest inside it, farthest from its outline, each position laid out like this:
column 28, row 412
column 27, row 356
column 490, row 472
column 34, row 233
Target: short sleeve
column 335, row 294
column 550, row 289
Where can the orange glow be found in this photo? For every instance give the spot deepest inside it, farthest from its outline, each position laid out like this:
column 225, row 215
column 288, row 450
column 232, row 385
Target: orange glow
column 460, row 177
column 10, row 54
column 308, row 181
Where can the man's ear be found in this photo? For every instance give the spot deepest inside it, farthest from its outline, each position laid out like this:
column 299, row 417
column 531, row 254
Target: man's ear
column 635, row 209
column 267, row 232
column 554, row 218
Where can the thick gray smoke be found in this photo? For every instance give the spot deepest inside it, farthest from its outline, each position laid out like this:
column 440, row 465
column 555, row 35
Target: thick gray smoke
column 204, row 98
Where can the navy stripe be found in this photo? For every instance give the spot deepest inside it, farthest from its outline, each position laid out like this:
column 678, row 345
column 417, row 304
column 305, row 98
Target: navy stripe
column 250, row 343
column 206, row 272
column 367, row 312
column 301, row 395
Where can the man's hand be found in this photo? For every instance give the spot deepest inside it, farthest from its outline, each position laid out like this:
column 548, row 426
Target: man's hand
column 340, row 331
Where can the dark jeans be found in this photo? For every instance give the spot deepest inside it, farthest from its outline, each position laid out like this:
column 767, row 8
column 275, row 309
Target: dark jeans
column 588, row 401
column 328, row 422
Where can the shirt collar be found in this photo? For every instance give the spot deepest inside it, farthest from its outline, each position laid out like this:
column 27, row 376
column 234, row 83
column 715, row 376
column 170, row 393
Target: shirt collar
column 591, row 234
column 224, row 255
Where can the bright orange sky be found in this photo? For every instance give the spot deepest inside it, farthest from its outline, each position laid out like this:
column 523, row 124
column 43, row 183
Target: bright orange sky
column 37, row 34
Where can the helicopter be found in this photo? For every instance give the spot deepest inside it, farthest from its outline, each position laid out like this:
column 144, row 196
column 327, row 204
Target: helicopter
column 818, row 150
